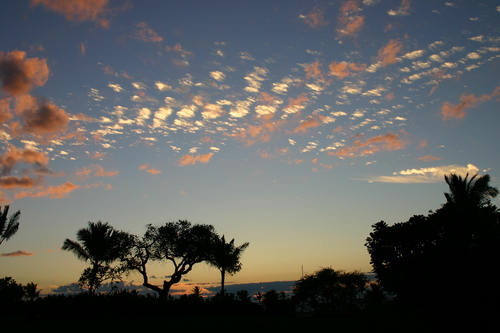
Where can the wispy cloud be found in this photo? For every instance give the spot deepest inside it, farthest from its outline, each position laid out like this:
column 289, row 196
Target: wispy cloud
column 79, row 10
column 429, row 158
column 95, row 170
column 146, row 33
column 53, row 192
column 193, row 159
column 389, row 141
column 315, row 18
column 451, row 111
column 387, row 54
column 402, row 10
column 424, row 175
column 146, row 168
column 17, row 254
column 349, row 20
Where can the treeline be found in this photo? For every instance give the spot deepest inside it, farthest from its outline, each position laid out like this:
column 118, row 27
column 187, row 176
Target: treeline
column 440, row 265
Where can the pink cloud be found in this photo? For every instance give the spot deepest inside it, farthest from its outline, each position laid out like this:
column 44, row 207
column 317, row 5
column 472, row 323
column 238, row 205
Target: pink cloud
column 387, row 54
column 193, row 159
column 451, row 111
column 316, row 18
column 429, row 158
column 95, row 170
column 53, row 192
column 146, row 33
column 389, row 141
column 78, row 10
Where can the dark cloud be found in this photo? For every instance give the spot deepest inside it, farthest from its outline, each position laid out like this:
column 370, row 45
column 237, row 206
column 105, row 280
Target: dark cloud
column 17, row 254
column 19, row 75
column 41, row 117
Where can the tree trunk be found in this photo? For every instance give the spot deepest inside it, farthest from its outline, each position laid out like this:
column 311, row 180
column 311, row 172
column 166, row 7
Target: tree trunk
column 222, row 278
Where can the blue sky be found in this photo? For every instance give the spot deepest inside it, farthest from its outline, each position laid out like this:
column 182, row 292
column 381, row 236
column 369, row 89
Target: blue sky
column 292, row 125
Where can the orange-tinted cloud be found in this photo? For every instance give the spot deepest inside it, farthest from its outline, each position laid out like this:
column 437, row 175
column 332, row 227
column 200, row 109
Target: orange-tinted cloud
column 296, row 104
column 403, row 8
column 266, row 98
column 53, row 192
column 13, row 156
column 95, row 170
column 450, row 111
column 17, row 254
column 19, row 75
column 39, row 116
column 78, row 10
column 387, row 54
column 349, row 22
column 344, row 69
column 146, row 34
column 312, row 122
column 14, row 181
column 389, row 141
column 151, row 171
column 5, row 110
column 316, row 18
column 193, row 159
column 429, row 158
column 258, row 133
column 313, row 71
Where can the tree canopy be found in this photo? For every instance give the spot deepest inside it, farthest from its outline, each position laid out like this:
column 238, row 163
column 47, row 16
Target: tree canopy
column 101, row 245
column 443, row 258
column 180, row 243
column 331, row 292
column 8, row 224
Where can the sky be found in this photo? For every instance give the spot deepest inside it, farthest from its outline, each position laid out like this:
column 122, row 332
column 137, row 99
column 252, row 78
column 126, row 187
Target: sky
column 291, row 125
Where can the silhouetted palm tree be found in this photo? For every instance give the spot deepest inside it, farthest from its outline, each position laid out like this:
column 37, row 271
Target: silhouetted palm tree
column 8, row 225
column 31, row 291
column 226, row 258
column 100, row 244
column 469, row 193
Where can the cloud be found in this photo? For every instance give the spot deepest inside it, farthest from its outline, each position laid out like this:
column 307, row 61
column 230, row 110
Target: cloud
column 389, row 141
column 40, row 117
column 193, row 159
column 429, row 158
column 316, row 18
column 312, row 122
column 424, row 175
column 53, row 192
column 402, row 10
column 95, row 170
column 13, row 156
column 344, row 69
column 451, row 111
column 313, row 71
column 19, row 75
column 146, row 34
column 151, row 171
column 387, row 54
column 78, row 10
column 349, row 22
column 82, row 10
column 14, row 181
column 296, row 104
column 18, row 253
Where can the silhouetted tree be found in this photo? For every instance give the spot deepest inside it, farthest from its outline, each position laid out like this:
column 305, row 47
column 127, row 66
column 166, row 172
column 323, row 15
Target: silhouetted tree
column 31, row 291
column 331, row 292
column 418, row 260
column 180, row 243
column 8, row 224
column 10, row 290
column 243, row 295
column 226, row 258
column 101, row 245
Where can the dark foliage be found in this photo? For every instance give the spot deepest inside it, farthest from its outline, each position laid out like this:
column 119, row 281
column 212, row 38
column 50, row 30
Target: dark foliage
column 443, row 260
